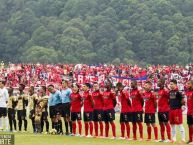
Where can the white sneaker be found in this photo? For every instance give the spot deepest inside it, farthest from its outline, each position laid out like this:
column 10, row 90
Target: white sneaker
column 89, row 136
column 113, row 137
column 129, row 139
column 161, row 140
column 121, row 138
column 46, row 132
column 156, row 140
column 167, row 140
column 24, row 131
column 73, row 134
column 77, row 135
column 14, row 130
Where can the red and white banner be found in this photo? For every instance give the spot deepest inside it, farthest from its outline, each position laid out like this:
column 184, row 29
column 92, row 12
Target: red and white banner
column 84, row 79
column 81, row 79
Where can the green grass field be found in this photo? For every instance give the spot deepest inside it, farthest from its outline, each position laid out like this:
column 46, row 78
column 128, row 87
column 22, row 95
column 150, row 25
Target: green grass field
column 42, row 139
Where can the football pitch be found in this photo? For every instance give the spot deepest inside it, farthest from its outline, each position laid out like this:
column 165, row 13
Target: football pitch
column 42, row 139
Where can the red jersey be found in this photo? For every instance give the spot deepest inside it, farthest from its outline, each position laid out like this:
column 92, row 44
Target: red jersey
column 98, row 100
column 75, row 102
column 149, row 99
column 189, row 95
column 137, row 100
column 88, row 105
column 108, row 98
column 124, row 98
column 163, row 100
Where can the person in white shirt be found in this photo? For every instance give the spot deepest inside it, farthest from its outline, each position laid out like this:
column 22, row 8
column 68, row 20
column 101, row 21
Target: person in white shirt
column 3, row 105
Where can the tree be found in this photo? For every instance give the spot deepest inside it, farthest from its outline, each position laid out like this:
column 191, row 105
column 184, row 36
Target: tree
column 41, row 54
column 98, row 31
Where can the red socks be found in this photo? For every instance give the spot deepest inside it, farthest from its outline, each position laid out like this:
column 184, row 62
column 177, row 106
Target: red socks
column 190, row 134
column 134, row 131
column 140, row 129
column 96, row 128
column 168, row 128
column 80, row 127
column 106, row 129
column 113, row 129
column 86, row 128
column 101, row 128
column 74, row 127
column 156, row 133
column 128, row 130
column 122, row 129
column 149, row 132
column 91, row 128
column 162, row 129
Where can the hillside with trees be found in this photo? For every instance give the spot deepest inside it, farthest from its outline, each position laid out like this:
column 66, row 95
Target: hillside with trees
column 97, row 31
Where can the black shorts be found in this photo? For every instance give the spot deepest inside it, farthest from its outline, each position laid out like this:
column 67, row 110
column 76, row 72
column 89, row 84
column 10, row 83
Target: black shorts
column 126, row 117
column 76, row 116
column 11, row 113
column 3, row 112
column 88, row 116
column 163, row 117
column 44, row 115
column 190, row 119
column 58, row 109
column 98, row 115
column 137, row 117
column 21, row 114
column 65, row 110
column 109, row 115
column 53, row 111
column 32, row 114
column 149, row 118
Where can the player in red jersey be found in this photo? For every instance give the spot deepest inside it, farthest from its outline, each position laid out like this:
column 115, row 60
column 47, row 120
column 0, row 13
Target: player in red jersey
column 150, row 109
column 98, row 109
column 76, row 104
column 137, row 108
column 189, row 94
column 163, row 110
column 176, row 118
column 109, row 112
column 126, row 111
column 88, row 109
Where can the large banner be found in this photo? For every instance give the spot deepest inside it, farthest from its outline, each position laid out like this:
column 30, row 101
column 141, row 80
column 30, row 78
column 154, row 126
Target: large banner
column 89, row 78
column 125, row 80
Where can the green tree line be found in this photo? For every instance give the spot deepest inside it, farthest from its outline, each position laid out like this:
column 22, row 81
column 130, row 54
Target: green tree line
column 97, row 31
